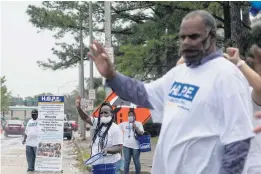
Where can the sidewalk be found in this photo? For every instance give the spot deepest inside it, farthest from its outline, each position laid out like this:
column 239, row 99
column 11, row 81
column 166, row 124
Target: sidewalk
column 13, row 157
column 145, row 158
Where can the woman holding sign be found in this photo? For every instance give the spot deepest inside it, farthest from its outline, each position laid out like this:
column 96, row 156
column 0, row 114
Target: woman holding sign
column 107, row 138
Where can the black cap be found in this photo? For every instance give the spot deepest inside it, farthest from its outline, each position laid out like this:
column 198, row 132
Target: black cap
column 34, row 111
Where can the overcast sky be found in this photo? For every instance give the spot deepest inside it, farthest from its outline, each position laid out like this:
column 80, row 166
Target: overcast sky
column 22, row 47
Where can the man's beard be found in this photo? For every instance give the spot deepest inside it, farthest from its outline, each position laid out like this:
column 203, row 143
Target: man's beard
column 194, row 60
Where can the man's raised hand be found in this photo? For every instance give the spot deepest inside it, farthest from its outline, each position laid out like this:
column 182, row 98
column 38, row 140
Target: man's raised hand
column 78, row 102
column 102, row 60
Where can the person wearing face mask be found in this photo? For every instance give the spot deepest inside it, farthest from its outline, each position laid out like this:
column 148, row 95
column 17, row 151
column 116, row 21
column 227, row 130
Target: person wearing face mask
column 107, row 138
column 31, row 140
column 130, row 144
column 205, row 129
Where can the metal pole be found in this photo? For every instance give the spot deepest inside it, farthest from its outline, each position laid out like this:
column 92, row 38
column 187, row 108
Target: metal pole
column 91, row 61
column 107, row 10
column 83, row 131
column 108, row 40
column 90, row 33
column 79, row 118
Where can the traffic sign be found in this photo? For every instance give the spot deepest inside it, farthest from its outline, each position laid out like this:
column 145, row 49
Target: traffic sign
column 87, row 105
column 92, row 94
column 90, row 105
column 142, row 114
column 84, row 104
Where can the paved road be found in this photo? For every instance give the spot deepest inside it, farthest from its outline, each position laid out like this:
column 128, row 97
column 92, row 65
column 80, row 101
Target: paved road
column 13, row 159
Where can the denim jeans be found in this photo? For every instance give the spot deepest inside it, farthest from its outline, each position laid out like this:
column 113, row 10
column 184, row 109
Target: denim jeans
column 118, row 167
column 30, row 156
column 135, row 153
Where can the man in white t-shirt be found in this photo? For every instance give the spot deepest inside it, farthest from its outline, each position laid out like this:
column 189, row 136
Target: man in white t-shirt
column 130, row 144
column 253, row 163
column 205, row 129
column 31, row 140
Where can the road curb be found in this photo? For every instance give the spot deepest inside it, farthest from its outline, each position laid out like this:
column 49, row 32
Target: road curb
column 80, row 148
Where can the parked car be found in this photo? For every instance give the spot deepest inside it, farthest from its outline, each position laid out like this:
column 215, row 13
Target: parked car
column 152, row 128
column 74, row 125
column 14, row 127
column 67, row 130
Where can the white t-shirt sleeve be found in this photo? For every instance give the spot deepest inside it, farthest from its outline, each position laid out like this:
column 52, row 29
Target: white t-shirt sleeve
column 140, row 126
column 117, row 137
column 156, row 95
column 237, row 110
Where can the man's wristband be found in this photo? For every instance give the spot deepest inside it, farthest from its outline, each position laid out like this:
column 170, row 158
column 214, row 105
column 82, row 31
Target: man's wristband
column 240, row 63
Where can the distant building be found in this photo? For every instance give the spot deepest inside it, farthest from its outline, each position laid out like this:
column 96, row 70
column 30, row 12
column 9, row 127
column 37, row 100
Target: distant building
column 20, row 112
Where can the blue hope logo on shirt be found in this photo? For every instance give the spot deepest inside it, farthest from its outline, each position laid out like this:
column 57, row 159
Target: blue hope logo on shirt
column 183, row 91
column 32, row 124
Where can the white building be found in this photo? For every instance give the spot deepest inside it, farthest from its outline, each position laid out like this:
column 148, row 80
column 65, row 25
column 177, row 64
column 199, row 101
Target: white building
column 20, row 112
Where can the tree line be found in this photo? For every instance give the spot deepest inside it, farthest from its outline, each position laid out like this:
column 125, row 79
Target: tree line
column 145, row 33
column 69, row 104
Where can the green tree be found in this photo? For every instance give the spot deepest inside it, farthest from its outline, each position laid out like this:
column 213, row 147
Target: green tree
column 27, row 101
column 16, row 101
column 97, row 82
column 144, row 33
column 256, row 32
column 64, row 18
column 100, row 97
column 100, row 92
column 69, row 104
column 5, row 95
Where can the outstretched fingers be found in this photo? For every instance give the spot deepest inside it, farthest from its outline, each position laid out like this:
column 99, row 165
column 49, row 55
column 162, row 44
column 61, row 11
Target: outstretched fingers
column 91, row 56
column 99, row 47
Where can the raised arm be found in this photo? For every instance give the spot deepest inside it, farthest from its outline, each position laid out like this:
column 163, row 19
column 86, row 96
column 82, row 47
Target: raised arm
column 85, row 117
column 130, row 89
column 146, row 95
column 253, row 77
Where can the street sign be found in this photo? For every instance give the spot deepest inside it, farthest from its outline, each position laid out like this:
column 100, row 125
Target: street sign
column 84, row 104
column 142, row 114
column 110, row 53
column 87, row 105
column 92, row 94
column 90, row 105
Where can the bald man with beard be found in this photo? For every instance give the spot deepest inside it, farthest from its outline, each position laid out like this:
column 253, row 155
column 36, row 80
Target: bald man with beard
column 205, row 128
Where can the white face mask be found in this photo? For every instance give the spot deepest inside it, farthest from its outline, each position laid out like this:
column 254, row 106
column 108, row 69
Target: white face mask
column 131, row 119
column 106, row 120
